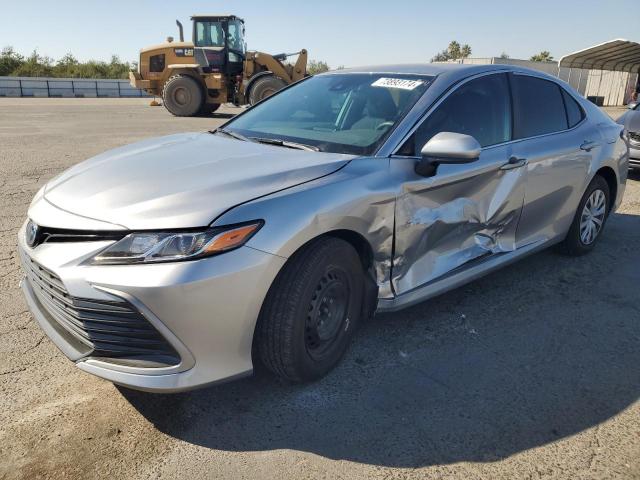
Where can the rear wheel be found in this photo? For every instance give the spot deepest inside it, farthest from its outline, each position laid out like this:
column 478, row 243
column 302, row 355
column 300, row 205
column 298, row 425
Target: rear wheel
column 589, row 219
column 311, row 311
column 265, row 87
column 182, row 96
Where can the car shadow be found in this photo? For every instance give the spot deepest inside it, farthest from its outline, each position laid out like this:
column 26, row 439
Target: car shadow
column 222, row 115
column 534, row 353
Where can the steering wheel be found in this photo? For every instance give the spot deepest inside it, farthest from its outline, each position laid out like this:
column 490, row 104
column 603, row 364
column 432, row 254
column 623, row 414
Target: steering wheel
column 381, row 126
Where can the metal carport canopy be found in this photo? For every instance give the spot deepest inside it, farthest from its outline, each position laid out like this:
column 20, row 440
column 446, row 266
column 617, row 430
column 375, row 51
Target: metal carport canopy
column 616, row 55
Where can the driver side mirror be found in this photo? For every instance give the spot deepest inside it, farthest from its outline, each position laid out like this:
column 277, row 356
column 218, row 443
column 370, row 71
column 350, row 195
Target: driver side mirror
column 447, row 147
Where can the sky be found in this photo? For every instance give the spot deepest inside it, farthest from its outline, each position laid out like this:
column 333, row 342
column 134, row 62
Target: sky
column 339, row 32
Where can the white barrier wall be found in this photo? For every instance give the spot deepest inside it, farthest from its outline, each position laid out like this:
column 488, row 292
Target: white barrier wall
column 66, row 87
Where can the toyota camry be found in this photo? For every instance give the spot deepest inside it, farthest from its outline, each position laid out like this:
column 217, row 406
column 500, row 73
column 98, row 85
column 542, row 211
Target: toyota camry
column 182, row 261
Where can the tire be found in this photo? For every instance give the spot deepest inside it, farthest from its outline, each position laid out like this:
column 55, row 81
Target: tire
column 311, row 311
column 595, row 204
column 209, row 108
column 182, row 96
column 265, row 87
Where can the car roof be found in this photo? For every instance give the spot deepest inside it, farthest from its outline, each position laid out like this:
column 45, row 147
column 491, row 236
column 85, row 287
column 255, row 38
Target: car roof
column 454, row 70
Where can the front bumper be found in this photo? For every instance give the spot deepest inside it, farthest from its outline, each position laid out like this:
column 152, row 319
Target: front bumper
column 136, row 81
column 634, row 155
column 205, row 309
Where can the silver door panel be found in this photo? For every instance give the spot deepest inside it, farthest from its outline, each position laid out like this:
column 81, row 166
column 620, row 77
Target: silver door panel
column 557, row 174
column 462, row 213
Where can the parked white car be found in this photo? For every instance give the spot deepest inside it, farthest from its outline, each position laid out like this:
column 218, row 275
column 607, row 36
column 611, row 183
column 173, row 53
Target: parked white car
column 631, row 122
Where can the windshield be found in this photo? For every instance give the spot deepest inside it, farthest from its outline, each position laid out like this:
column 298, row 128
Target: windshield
column 209, row 34
column 341, row 113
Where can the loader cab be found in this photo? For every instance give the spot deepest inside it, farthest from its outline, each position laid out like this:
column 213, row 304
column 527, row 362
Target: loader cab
column 219, row 43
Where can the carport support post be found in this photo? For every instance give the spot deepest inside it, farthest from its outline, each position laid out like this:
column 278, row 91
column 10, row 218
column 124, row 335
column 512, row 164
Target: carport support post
column 579, row 80
column 599, row 85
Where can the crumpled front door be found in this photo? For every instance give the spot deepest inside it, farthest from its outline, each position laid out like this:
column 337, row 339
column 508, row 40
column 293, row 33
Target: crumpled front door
column 462, row 213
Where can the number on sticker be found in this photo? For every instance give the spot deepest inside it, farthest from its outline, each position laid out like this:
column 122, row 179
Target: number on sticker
column 401, row 83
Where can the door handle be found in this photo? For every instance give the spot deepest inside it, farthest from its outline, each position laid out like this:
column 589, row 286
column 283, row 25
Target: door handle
column 589, row 145
column 514, row 162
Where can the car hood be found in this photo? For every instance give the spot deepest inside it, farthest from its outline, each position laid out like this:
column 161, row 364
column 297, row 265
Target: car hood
column 182, row 181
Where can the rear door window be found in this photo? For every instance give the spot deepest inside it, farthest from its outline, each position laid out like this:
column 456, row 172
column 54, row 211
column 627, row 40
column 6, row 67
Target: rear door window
column 538, row 107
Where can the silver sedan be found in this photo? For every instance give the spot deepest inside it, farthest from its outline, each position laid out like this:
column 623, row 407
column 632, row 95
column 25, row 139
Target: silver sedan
column 182, row 261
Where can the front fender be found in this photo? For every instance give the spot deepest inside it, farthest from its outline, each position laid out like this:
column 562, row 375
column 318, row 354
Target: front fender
column 360, row 198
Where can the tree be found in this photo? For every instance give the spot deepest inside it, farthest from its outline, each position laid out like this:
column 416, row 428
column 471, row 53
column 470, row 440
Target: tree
column 35, row 66
column 66, row 67
column 10, row 60
column 317, row 66
column 454, row 51
column 543, row 56
column 504, row 55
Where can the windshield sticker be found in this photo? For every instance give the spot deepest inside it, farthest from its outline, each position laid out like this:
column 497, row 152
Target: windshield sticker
column 400, row 83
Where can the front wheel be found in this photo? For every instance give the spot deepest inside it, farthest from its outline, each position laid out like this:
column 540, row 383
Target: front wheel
column 589, row 219
column 264, row 87
column 311, row 311
column 182, row 96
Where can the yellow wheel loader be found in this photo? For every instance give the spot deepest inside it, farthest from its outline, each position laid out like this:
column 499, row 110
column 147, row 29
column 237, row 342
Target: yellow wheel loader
column 215, row 68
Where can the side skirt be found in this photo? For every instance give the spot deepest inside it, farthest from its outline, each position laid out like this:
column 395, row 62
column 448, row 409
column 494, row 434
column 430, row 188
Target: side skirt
column 460, row 276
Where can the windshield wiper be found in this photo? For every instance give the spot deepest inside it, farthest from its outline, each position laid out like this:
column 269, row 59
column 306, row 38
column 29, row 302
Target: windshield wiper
column 284, row 143
column 231, row 134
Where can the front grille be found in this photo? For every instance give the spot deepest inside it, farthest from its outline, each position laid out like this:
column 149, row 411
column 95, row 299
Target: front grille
column 48, row 234
column 634, row 137
column 110, row 330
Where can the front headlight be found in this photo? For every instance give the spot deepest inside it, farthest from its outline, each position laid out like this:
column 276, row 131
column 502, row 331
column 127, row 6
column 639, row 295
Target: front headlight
column 151, row 247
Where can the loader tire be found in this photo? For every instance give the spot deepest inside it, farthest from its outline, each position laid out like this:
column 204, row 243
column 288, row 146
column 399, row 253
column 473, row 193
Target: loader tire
column 182, row 96
column 265, row 87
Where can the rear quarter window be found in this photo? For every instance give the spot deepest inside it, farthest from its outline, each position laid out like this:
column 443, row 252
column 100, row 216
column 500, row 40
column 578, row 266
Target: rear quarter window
column 538, row 107
column 574, row 112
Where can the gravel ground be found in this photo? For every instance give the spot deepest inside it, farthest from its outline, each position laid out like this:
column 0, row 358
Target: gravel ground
column 531, row 372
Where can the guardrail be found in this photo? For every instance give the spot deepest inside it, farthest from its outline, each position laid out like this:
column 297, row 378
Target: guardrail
column 67, row 87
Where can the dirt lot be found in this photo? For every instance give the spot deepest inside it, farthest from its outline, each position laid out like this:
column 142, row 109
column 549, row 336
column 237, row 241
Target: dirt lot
column 531, row 372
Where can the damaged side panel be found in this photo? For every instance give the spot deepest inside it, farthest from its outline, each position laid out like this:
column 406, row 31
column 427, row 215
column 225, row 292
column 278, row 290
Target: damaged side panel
column 359, row 198
column 462, row 213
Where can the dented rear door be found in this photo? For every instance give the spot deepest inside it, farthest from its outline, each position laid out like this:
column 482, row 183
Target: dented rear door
column 461, row 214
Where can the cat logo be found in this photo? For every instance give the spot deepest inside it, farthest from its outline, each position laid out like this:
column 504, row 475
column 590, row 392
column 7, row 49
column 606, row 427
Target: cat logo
column 183, row 52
